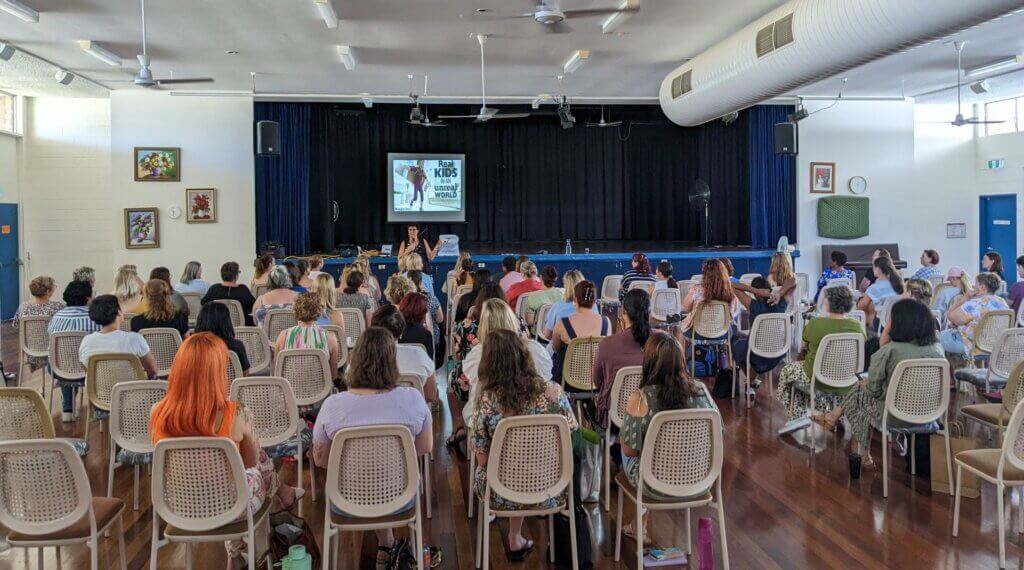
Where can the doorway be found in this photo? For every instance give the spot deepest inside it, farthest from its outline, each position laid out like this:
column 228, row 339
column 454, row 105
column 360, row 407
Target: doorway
column 998, row 224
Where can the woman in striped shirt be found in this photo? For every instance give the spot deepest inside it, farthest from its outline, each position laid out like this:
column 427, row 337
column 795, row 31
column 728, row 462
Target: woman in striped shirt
column 307, row 334
column 640, row 273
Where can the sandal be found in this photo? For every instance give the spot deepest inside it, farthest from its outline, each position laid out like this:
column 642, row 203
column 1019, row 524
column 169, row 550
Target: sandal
column 630, row 533
column 825, row 421
column 457, row 437
column 520, row 555
column 383, row 557
column 299, row 493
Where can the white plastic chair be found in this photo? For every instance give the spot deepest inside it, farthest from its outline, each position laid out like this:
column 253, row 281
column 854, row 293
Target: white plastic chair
column 995, row 416
column 130, row 406
column 578, row 370
column 770, row 337
column 200, row 491
column 684, row 287
column 521, row 303
column 839, row 358
column 681, row 457
column 936, row 280
column 339, row 335
column 235, row 310
column 308, row 371
column 665, row 302
column 64, row 362
column 803, row 286
column 257, row 348
column 840, row 281
column 413, row 381
column 195, row 304
column 163, row 344
column 277, row 320
column 610, row 286
column 627, row 380
column 369, row 501
column 539, row 318
column 989, row 327
column 33, row 341
column 747, row 278
column 355, row 324
column 697, row 277
column 711, row 320
column 103, row 372
column 1006, row 352
column 260, row 289
column 918, row 395
column 859, row 316
column 530, row 461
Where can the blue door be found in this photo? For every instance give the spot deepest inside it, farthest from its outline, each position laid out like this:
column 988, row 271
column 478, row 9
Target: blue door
column 9, row 262
column 998, row 225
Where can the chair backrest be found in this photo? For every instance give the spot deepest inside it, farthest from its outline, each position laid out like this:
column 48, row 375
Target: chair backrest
column 104, row 371
column 271, row 404
column 195, row 304
column 163, row 344
column 1013, row 444
column 23, row 415
column 521, row 303
column 627, row 380
column 130, row 407
column 919, row 390
column 747, row 278
column 530, row 459
column 936, row 280
column 64, row 355
column 666, row 302
column 682, row 453
column 358, row 456
column 610, row 287
column 411, row 381
column 684, row 287
column 257, row 346
column 578, row 369
column 234, row 367
column 261, row 289
column 126, row 321
column 859, row 316
column 355, row 324
column 770, row 335
column 712, row 319
column 697, row 277
column 44, row 486
column 339, row 335
column 937, row 292
column 198, row 482
column 277, row 320
column 1007, row 351
column 234, row 309
column 803, row 286
column 840, row 281
column 33, row 336
column 308, row 371
column 540, row 317
column 990, row 326
column 1013, row 392
column 645, row 285
column 839, row 358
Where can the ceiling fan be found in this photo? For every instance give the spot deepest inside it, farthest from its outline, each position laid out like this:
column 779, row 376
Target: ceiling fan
column 960, row 121
column 486, row 113
column 144, row 78
column 602, row 123
column 421, row 117
column 549, row 15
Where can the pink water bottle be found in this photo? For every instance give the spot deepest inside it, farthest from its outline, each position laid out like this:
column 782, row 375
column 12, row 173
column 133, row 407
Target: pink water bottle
column 705, row 548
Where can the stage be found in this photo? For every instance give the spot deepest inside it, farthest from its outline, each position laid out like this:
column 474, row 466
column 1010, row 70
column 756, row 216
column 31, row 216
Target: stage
column 604, row 259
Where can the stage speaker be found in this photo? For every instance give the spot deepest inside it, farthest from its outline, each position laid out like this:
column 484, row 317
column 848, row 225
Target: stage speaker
column 268, row 138
column 274, row 248
column 348, row 250
column 785, row 138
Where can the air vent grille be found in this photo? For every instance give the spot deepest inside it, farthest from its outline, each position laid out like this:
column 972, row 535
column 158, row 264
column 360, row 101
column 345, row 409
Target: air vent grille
column 682, row 85
column 765, row 42
column 774, row 35
column 784, row 31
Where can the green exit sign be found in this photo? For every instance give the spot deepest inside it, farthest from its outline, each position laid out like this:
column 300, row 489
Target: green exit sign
column 996, row 163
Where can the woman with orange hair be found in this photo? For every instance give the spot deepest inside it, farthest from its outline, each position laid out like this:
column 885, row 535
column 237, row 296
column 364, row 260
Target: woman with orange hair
column 196, row 405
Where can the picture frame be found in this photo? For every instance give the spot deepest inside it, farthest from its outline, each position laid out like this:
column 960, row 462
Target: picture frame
column 157, row 164
column 823, row 178
column 956, row 230
column 141, row 228
column 200, row 205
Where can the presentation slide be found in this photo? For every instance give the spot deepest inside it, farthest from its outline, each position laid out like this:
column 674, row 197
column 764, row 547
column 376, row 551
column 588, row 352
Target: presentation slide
column 426, row 188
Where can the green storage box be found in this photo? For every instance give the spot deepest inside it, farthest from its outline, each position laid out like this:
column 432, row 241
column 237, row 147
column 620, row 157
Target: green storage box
column 843, row 217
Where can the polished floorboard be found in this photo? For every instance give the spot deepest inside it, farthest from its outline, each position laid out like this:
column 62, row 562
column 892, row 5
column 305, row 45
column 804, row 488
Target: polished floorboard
column 785, row 508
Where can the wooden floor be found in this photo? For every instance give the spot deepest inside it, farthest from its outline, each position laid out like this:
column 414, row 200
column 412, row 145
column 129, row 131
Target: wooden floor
column 785, row 508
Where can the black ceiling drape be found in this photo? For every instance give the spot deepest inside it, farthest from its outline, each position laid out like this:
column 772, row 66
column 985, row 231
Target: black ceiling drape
column 531, row 180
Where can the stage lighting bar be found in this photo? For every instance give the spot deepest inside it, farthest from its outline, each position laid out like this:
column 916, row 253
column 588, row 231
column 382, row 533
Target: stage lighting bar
column 576, row 61
column 19, row 10
column 1000, row 65
column 612, row 23
column 99, row 52
column 348, row 59
column 327, row 13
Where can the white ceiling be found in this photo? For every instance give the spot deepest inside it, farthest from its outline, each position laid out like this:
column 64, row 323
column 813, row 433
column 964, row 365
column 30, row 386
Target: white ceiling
column 293, row 52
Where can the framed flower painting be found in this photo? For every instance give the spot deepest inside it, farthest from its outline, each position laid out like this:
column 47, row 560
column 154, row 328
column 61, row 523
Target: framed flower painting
column 157, row 164
column 141, row 228
column 200, row 205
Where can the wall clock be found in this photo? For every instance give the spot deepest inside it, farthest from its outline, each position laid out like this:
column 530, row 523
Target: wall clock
column 174, row 212
column 858, row 185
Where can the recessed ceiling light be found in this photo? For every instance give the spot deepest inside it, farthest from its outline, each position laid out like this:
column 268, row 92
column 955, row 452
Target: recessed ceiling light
column 232, row 52
column 482, row 10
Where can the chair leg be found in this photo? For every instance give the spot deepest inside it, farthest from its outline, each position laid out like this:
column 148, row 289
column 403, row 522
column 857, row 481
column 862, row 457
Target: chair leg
column 327, row 538
column 472, row 477
column 1000, row 521
column 572, row 530
column 188, row 556
column 949, row 459
column 251, row 547
column 94, row 552
column 154, row 543
column 135, row 490
column 720, row 503
column 88, row 416
column 485, row 520
column 479, row 536
column 913, row 456
column 551, row 537
column 419, row 531
column 1020, row 510
column 608, row 469
column 426, row 480
column 885, row 463
column 298, row 459
column 956, row 500
column 110, row 471
column 638, row 529
column 120, row 542
column 618, row 527
column 21, row 369
column 689, row 542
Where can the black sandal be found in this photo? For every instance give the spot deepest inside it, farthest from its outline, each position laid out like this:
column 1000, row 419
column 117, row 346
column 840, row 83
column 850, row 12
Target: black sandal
column 521, row 554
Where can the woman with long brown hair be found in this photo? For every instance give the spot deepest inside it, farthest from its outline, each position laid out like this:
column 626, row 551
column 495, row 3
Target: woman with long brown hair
column 161, row 312
column 582, row 323
column 196, row 405
column 714, row 286
column 888, row 283
column 510, row 386
column 261, row 273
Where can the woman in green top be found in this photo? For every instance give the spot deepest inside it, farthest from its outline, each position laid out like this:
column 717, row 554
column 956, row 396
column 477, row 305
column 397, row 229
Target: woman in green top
column 912, row 334
column 838, row 302
column 664, row 385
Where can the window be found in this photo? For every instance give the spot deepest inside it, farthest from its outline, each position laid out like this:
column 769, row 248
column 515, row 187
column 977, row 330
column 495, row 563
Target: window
column 8, row 111
column 1011, row 111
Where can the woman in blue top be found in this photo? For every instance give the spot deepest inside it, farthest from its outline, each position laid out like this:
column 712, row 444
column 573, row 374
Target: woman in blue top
column 567, row 305
column 888, row 283
column 835, row 270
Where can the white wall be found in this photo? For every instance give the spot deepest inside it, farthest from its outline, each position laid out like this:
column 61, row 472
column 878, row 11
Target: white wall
column 9, row 167
column 215, row 136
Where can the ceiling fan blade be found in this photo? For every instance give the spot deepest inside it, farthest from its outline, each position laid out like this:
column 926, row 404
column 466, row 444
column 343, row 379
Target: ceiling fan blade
column 973, row 121
column 557, row 28
column 458, row 116
column 511, row 116
column 489, row 17
column 184, row 80
column 596, row 12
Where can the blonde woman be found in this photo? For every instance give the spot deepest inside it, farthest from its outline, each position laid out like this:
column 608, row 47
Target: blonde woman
column 371, row 286
column 398, row 287
column 964, row 285
column 323, row 287
column 782, row 278
column 567, row 305
column 461, row 274
column 192, row 279
column 414, row 262
column 127, row 288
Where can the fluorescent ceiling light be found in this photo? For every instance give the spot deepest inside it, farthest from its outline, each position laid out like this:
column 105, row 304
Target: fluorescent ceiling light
column 995, row 66
column 347, row 57
column 99, row 52
column 15, row 8
column 576, row 60
column 326, row 12
column 612, row 23
column 6, row 52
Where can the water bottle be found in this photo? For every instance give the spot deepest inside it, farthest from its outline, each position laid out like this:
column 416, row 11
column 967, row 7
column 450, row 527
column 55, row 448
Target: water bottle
column 705, row 541
column 297, row 559
column 568, row 247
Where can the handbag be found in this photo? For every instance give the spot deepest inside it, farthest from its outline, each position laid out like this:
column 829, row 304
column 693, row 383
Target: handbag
column 584, row 541
column 970, row 487
column 590, row 460
column 280, row 541
column 705, row 361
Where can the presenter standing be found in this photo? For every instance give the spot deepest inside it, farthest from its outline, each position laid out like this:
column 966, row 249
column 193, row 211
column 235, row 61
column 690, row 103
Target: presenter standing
column 415, row 244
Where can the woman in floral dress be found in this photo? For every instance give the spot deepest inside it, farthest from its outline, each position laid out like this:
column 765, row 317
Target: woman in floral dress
column 42, row 289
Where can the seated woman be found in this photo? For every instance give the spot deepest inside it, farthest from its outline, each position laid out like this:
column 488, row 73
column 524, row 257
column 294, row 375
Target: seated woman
column 215, row 318
column 323, row 288
column 714, row 286
column 782, row 278
column 640, row 272
column 466, row 302
column 992, row 262
column 929, row 263
column 664, row 386
column 548, row 294
column 261, row 273
column 161, row 312
column 373, row 398
column 398, row 287
column 624, row 348
column 128, row 288
column 567, row 306
column 529, row 284
column 316, row 267
column 663, row 274
column 888, row 283
column 869, row 277
column 836, row 270
column 351, row 298
column 760, row 304
column 497, row 315
column 230, row 289
column 414, row 262
column 370, row 284
column 196, row 404
column 307, row 334
column 838, row 302
column 582, row 323
column 963, row 285
column 41, row 288
column 511, row 386
column 279, row 296
column 164, row 274
column 917, row 289
column 911, row 334
column 965, row 313
column 417, row 328
column 412, row 359
column 433, row 306
column 192, row 279
column 295, row 275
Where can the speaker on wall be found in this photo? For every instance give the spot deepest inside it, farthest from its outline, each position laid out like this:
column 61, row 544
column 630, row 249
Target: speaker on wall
column 786, row 138
column 268, row 138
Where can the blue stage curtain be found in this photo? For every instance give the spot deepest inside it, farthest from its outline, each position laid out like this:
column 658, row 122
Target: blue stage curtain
column 772, row 179
column 282, row 182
